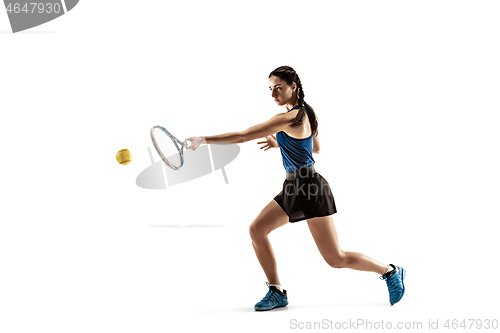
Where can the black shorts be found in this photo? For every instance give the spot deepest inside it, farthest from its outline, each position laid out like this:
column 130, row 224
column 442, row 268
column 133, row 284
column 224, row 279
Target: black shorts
column 306, row 194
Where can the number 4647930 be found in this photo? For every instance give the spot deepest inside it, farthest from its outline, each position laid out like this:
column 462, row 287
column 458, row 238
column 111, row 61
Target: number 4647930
column 472, row 323
column 34, row 7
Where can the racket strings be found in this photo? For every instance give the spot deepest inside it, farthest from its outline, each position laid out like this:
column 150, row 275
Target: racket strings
column 167, row 147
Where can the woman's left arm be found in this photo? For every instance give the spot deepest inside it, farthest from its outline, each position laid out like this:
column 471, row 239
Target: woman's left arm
column 315, row 145
column 277, row 123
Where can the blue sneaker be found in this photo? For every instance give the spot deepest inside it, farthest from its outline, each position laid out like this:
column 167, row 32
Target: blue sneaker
column 395, row 283
column 273, row 299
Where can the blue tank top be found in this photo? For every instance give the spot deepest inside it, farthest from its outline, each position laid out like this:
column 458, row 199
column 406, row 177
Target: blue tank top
column 295, row 152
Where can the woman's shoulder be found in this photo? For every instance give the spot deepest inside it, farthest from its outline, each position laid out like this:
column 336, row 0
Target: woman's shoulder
column 287, row 116
column 303, row 131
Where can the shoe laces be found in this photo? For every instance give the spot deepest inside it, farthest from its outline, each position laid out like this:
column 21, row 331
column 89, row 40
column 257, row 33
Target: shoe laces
column 271, row 296
column 393, row 283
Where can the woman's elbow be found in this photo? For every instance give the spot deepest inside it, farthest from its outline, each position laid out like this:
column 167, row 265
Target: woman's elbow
column 316, row 151
column 241, row 138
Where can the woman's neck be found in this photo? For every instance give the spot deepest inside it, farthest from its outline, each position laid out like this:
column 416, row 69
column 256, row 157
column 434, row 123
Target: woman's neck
column 290, row 106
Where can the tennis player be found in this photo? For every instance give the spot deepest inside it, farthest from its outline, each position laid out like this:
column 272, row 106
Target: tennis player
column 305, row 195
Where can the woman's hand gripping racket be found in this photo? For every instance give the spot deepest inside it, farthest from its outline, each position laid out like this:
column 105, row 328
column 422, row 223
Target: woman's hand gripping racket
column 170, row 149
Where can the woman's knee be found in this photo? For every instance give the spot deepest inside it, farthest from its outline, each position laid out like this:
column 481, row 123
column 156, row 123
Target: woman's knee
column 259, row 228
column 337, row 261
column 256, row 231
column 269, row 219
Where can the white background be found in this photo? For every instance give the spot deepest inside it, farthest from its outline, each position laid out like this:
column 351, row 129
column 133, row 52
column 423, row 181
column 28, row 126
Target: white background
column 407, row 97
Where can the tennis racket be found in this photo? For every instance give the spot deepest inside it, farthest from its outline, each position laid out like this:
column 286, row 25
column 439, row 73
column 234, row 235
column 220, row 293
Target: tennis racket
column 170, row 149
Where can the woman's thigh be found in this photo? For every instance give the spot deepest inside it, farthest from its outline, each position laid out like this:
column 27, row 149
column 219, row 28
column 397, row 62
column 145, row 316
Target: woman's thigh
column 270, row 218
column 325, row 236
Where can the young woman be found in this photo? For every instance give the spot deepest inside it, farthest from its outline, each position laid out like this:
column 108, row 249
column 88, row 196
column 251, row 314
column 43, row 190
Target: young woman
column 306, row 195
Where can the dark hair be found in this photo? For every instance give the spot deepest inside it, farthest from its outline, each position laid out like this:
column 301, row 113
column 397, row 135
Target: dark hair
column 288, row 74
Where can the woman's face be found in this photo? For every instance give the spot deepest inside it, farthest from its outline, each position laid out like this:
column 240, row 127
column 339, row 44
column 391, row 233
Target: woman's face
column 281, row 92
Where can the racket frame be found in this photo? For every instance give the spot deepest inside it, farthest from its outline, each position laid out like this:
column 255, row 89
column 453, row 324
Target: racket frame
column 178, row 144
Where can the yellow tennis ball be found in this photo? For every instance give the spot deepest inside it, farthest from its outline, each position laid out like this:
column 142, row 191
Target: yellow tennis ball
column 124, row 157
